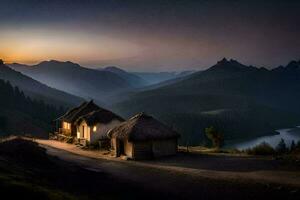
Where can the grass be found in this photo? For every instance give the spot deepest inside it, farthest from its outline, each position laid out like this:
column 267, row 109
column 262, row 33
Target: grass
column 20, row 187
column 203, row 149
column 23, row 166
column 261, row 149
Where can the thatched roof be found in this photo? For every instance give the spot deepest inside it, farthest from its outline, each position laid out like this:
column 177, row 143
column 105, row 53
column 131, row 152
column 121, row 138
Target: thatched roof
column 99, row 116
column 72, row 115
column 142, row 127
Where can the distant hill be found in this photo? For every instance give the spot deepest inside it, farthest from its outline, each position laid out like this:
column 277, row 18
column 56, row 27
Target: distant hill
column 242, row 101
column 180, row 77
column 75, row 79
column 36, row 89
column 20, row 114
column 134, row 80
column 158, row 77
column 292, row 69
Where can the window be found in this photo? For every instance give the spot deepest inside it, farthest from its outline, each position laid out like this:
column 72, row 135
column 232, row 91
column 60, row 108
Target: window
column 66, row 125
column 95, row 128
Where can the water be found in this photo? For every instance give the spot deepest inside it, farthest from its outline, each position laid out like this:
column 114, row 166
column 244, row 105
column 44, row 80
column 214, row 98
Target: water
column 287, row 134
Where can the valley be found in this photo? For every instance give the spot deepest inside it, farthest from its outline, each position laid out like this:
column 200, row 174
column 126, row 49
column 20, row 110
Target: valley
column 223, row 96
column 241, row 101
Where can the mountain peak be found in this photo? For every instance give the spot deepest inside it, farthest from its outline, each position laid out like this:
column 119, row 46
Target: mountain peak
column 229, row 65
column 293, row 65
column 223, row 61
column 56, row 63
column 113, row 69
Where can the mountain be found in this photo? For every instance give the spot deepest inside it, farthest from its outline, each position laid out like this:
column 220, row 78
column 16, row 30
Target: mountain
column 242, row 101
column 134, row 80
column 157, row 77
column 180, row 77
column 75, row 79
column 20, row 114
column 292, row 69
column 36, row 89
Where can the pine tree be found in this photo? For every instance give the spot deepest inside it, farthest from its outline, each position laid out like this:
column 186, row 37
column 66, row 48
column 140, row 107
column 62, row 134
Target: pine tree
column 281, row 147
column 293, row 146
column 13, row 99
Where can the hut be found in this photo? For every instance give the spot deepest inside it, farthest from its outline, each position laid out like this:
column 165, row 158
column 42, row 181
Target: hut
column 92, row 127
column 65, row 124
column 143, row 137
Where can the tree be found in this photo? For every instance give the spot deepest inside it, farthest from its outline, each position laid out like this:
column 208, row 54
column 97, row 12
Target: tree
column 293, row 146
column 281, row 147
column 216, row 137
column 298, row 145
column 1, row 62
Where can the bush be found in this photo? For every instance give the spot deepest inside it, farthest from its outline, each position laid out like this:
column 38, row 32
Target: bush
column 261, row 149
column 293, row 146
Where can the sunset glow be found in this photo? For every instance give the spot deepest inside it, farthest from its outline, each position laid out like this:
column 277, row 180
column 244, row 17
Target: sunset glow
column 32, row 46
column 146, row 37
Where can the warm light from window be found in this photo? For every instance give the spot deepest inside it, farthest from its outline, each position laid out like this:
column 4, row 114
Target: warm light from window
column 95, row 128
column 66, row 125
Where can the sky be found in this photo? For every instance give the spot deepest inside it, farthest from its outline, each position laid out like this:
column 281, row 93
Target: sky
column 150, row 35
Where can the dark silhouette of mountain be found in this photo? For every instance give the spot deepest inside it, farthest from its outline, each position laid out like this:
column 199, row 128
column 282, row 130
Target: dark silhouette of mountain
column 243, row 101
column 23, row 115
column 75, row 79
column 292, row 70
column 180, row 77
column 134, row 80
column 36, row 89
column 158, row 77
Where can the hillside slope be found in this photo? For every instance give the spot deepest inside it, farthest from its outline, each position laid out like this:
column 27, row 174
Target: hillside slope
column 20, row 114
column 36, row 89
column 134, row 80
column 158, row 77
column 242, row 101
column 75, row 79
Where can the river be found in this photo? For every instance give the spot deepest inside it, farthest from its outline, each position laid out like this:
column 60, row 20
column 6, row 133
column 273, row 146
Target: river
column 287, row 134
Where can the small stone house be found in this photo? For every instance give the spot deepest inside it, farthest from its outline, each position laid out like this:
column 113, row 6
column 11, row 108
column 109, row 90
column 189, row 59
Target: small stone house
column 93, row 127
column 143, row 137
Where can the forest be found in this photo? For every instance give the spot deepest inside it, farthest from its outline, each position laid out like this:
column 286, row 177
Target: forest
column 16, row 108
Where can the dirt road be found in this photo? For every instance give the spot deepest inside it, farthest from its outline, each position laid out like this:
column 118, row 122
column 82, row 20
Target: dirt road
column 186, row 175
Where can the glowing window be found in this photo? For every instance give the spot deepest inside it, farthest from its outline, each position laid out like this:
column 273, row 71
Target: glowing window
column 66, row 125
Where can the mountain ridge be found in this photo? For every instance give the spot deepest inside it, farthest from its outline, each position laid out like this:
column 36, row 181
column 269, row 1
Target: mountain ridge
column 75, row 79
column 134, row 80
column 35, row 89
